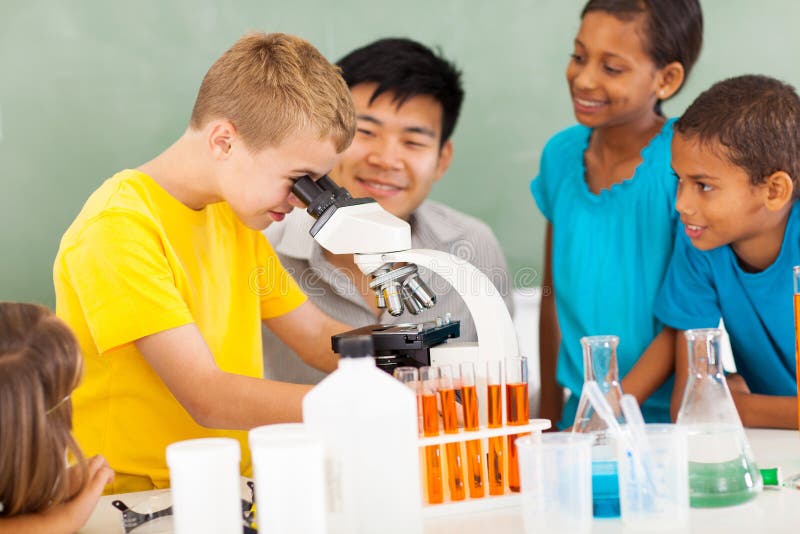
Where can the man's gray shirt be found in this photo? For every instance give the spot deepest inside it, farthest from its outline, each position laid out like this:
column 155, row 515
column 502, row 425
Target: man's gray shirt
column 433, row 226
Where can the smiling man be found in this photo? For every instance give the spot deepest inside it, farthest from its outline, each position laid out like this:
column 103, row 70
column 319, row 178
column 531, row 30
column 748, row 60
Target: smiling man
column 407, row 102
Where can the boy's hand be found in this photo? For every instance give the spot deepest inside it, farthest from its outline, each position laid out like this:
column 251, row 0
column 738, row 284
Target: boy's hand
column 737, row 385
column 763, row 411
column 307, row 330
column 741, row 395
column 74, row 513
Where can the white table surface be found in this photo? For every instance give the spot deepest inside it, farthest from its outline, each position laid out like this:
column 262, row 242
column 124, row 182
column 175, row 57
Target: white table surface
column 774, row 511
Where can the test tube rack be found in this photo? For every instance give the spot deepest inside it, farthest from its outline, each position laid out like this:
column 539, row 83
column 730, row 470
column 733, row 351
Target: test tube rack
column 487, row 502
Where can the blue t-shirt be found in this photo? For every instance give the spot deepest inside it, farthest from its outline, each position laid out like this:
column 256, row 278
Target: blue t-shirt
column 702, row 286
column 609, row 254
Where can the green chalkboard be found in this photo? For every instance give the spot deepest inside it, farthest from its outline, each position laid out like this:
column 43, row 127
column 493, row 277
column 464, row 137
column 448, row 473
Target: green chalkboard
column 88, row 87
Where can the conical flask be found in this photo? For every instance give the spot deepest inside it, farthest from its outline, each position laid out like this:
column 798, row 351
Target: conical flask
column 721, row 467
column 600, row 365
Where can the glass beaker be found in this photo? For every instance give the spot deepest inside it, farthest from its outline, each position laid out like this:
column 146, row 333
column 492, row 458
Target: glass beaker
column 600, row 365
column 796, row 272
column 721, row 467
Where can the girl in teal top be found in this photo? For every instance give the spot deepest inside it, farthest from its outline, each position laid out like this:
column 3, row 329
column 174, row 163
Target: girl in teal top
column 607, row 191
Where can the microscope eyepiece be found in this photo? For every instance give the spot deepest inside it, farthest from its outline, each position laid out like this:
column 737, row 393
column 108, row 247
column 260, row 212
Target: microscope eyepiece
column 306, row 189
column 317, row 197
column 327, row 184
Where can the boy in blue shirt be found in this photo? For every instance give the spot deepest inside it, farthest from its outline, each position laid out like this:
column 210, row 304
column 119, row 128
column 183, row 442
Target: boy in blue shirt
column 736, row 154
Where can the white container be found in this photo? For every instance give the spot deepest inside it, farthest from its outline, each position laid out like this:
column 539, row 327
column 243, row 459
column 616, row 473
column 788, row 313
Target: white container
column 206, row 496
column 368, row 423
column 288, row 464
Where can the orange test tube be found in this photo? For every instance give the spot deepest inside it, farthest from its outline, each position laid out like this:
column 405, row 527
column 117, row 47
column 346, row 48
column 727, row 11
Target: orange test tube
column 455, row 468
column 429, row 379
column 410, row 377
column 796, row 271
column 516, row 411
column 469, row 401
column 494, row 383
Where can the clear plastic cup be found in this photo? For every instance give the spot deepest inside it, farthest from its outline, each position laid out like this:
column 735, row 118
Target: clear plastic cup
column 556, row 477
column 654, row 490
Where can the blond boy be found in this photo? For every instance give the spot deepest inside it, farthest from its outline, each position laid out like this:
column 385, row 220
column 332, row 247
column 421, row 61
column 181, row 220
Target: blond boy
column 165, row 276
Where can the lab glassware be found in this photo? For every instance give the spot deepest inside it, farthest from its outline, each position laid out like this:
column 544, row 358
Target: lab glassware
column 455, row 467
column 494, row 400
column 410, row 377
column 555, row 472
column 654, row 488
column 469, row 402
column 516, row 411
column 600, row 365
column 722, row 471
column 796, row 275
column 429, row 383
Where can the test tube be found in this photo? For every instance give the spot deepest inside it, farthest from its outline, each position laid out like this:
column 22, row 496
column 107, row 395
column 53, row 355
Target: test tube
column 429, row 383
column 455, row 467
column 516, row 411
column 494, row 395
column 796, row 274
column 410, row 377
column 469, row 402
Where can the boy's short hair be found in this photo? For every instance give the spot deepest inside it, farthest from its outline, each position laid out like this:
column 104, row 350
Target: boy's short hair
column 673, row 28
column 271, row 85
column 757, row 120
column 405, row 69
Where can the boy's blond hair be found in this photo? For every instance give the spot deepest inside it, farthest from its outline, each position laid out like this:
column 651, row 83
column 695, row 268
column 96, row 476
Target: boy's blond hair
column 271, row 85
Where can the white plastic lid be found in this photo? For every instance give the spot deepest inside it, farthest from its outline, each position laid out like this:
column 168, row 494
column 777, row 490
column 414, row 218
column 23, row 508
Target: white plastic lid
column 203, row 450
column 285, row 435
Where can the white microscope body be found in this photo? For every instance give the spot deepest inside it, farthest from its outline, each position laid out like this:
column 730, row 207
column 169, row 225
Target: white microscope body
column 378, row 239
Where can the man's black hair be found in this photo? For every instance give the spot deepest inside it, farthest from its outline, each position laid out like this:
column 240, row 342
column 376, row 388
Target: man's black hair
column 405, row 69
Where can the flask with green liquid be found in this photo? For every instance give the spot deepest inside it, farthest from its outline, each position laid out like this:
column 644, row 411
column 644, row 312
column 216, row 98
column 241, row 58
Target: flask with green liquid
column 721, row 467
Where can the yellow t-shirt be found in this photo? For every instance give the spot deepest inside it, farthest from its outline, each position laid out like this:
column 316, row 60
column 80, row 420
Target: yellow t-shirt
column 135, row 262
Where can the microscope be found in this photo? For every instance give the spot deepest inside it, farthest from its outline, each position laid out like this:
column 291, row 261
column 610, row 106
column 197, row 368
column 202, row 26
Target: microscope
column 381, row 245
